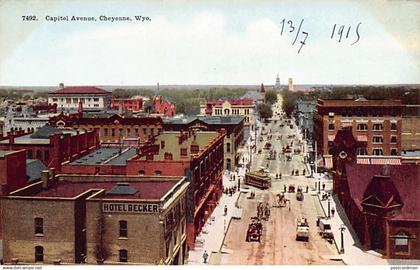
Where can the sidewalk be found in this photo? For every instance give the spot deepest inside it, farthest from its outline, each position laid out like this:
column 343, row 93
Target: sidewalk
column 214, row 231
column 352, row 254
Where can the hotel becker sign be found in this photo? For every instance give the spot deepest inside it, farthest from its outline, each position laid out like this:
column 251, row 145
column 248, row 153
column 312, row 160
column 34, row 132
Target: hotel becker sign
column 130, row 208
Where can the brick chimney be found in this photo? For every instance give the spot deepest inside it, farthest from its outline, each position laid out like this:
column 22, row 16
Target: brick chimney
column 45, row 175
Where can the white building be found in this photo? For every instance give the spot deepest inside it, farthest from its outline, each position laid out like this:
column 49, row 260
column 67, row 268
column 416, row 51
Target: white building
column 92, row 98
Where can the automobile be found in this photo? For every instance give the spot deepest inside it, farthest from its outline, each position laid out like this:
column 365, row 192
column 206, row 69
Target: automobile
column 267, row 145
column 254, row 230
column 299, row 194
column 324, row 229
column 302, row 230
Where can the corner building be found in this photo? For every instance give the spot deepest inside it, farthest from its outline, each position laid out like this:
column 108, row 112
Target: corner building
column 69, row 219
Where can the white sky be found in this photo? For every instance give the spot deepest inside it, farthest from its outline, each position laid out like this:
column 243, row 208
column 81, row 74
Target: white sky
column 208, row 42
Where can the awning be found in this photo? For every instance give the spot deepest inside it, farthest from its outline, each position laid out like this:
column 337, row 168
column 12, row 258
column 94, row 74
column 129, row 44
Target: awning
column 331, row 138
column 363, row 161
column 383, row 161
column 362, row 138
column 328, row 162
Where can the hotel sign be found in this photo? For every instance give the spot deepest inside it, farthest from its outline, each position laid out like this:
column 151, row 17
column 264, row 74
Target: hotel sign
column 137, row 208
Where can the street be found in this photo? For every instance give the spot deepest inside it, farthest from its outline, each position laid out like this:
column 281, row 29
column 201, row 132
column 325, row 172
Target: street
column 278, row 243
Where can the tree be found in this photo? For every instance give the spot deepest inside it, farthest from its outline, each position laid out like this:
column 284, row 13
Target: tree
column 265, row 111
column 270, row 97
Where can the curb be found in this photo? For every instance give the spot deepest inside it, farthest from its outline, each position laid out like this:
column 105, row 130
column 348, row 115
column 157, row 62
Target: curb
column 335, row 243
column 228, row 225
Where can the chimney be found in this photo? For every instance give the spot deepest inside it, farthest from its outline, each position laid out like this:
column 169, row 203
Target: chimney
column 44, row 177
column 386, row 170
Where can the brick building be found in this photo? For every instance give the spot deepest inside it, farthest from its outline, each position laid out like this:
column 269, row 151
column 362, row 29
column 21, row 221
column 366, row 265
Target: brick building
column 112, row 128
column 233, row 107
column 380, row 201
column 97, row 219
column 51, row 145
column 410, row 135
column 163, row 107
column 376, row 122
column 129, row 104
column 68, row 98
column 234, row 126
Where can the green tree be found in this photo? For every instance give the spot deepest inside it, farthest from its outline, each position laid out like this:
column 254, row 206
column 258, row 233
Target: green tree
column 265, row 111
column 271, row 97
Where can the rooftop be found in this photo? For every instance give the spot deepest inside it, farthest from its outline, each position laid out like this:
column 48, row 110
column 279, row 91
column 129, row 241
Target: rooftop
column 34, row 167
column 5, row 152
column 27, row 139
column 404, row 177
column 215, row 120
column 106, row 155
column 148, row 190
column 80, row 90
column 247, row 102
column 360, row 102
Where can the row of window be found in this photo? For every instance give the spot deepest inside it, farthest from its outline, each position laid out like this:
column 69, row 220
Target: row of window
column 362, row 126
column 105, row 132
column 230, row 111
column 376, row 151
column 76, row 100
column 39, row 254
column 38, row 155
column 380, row 139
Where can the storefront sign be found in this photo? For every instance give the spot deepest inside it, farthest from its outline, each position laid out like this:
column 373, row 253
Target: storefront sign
column 130, row 208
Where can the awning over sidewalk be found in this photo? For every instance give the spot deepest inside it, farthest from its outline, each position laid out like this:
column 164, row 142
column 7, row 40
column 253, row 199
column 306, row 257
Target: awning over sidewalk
column 383, row 161
column 328, row 162
column 363, row 161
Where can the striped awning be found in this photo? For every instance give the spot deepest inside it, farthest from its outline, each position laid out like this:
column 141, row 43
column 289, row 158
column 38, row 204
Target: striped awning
column 383, row 161
column 363, row 161
column 362, row 138
column 328, row 162
column 331, row 138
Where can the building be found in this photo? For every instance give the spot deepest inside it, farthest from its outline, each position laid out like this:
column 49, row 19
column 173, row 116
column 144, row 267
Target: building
column 277, row 85
column 112, row 128
column 196, row 155
column 23, row 118
column 102, row 219
column 92, row 98
column 51, row 145
column 15, row 172
column 233, row 107
column 380, row 201
column 163, row 107
column 304, row 115
column 1, row 128
column 290, row 86
column 376, row 122
column 410, row 134
column 234, row 126
column 128, row 104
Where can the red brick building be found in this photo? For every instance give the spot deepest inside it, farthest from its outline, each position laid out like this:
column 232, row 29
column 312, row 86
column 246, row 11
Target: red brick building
column 375, row 122
column 163, row 107
column 128, row 104
column 380, row 201
column 53, row 146
column 112, row 128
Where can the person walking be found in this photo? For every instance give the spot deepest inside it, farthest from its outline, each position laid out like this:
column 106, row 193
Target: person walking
column 205, row 256
column 332, row 212
column 323, row 186
column 307, row 188
column 226, row 209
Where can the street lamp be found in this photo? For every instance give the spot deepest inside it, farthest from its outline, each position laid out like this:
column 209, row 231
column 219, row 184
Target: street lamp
column 342, row 229
column 319, row 187
column 329, row 200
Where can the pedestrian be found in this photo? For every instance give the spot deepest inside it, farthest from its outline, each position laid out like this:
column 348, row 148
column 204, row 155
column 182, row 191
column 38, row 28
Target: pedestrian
column 293, row 172
column 303, row 172
column 226, row 209
column 332, row 212
column 233, row 177
column 284, row 188
column 323, row 186
column 280, row 175
column 230, row 192
column 277, row 176
column 307, row 188
column 205, row 256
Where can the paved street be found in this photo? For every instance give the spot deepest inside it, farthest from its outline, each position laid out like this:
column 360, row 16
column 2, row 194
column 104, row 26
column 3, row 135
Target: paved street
column 278, row 244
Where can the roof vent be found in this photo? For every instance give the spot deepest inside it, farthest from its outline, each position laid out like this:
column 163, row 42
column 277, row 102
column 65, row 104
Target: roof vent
column 122, row 188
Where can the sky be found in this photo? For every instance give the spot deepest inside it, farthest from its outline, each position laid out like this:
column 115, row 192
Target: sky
column 210, row 42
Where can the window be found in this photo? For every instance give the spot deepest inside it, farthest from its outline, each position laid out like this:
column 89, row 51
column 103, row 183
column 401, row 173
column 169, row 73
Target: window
column 361, row 151
column 123, row 255
column 54, row 100
column 378, row 152
column 39, row 254
column 68, row 100
column 377, row 139
column 152, row 131
column 394, row 152
column 95, row 105
column 39, row 154
column 112, row 132
column 141, row 172
column 362, row 127
column 228, row 147
column 30, row 154
column 120, row 133
column 75, row 100
column 331, row 126
column 393, row 139
column 82, row 100
column 39, row 225
column 128, row 132
column 144, row 131
column 378, row 127
column 46, row 155
column 393, row 126
column 123, row 228
column 105, row 132
column 158, row 173
column 401, row 242
column 136, row 132
column 96, row 99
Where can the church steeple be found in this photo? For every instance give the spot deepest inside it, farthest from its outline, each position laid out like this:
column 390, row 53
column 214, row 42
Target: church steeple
column 277, row 85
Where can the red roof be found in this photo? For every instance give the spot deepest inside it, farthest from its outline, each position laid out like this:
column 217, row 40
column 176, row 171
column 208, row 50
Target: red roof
column 80, row 90
column 405, row 178
column 246, row 101
column 146, row 189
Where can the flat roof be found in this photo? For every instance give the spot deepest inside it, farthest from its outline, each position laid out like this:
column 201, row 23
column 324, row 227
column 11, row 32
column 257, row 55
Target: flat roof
column 148, row 190
column 358, row 102
column 26, row 139
column 106, row 155
column 203, row 138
